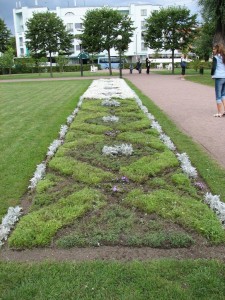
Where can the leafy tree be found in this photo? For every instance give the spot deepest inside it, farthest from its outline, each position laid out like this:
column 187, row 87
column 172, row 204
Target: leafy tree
column 170, row 29
column 214, row 11
column 101, row 29
column 62, row 61
column 46, row 33
column 6, row 60
column 203, row 44
column 4, row 36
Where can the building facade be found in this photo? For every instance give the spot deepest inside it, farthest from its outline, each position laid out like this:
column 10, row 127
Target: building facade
column 72, row 18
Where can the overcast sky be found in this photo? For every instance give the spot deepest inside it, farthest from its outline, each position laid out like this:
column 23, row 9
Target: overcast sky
column 6, row 6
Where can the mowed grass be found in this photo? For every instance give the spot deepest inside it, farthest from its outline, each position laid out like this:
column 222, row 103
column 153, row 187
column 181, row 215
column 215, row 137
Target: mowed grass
column 58, row 75
column 157, row 279
column 31, row 116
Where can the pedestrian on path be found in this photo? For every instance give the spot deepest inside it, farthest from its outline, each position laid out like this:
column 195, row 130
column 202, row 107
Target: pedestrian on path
column 138, row 66
column 148, row 64
column 218, row 73
column 183, row 64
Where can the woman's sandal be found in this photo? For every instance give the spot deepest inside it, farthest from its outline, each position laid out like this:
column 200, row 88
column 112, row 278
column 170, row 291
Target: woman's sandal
column 218, row 115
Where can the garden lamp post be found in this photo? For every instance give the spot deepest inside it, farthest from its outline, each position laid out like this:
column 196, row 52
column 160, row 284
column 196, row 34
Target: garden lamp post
column 119, row 38
column 81, row 61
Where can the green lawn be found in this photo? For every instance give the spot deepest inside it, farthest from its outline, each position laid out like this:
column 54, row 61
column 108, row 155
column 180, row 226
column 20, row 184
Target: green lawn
column 31, row 116
column 158, row 279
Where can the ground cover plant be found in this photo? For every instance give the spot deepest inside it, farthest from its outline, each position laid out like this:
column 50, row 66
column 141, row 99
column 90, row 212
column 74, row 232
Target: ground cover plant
column 137, row 172
column 31, row 115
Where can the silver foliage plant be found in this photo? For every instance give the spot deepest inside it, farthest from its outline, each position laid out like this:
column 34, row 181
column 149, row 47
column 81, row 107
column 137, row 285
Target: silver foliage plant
column 110, row 103
column 167, row 141
column 216, row 205
column 123, row 149
column 110, row 119
column 38, row 175
column 186, row 165
column 8, row 222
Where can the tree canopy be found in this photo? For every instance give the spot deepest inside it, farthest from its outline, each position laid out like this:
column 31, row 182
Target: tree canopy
column 46, row 33
column 171, row 28
column 101, row 28
column 4, row 36
column 214, row 12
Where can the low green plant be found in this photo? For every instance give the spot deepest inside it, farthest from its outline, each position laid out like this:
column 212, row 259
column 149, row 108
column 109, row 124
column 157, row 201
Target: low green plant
column 186, row 211
column 81, row 171
column 148, row 166
column 38, row 227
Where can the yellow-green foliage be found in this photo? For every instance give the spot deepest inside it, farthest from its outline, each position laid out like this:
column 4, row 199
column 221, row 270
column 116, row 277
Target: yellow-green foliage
column 142, row 138
column 90, row 128
column 38, row 227
column 125, row 125
column 83, row 141
column 181, row 179
column 186, row 211
column 150, row 165
column 49, row 181
column 80, row 171
column 91, row 105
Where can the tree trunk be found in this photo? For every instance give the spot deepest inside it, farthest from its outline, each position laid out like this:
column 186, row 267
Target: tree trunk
column 51, row 75
column 110, row 67
column 172, row 61
column 219, row 37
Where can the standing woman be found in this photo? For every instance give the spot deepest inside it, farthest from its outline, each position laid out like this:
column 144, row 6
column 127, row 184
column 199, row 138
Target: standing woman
column 218, row 73
column 148, row 64
column 183, row 64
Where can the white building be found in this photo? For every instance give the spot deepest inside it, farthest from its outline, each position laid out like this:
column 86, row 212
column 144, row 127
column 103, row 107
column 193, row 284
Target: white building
column 72, row 18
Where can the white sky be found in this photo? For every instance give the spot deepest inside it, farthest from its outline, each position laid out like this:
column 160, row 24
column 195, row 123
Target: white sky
column 6, row 6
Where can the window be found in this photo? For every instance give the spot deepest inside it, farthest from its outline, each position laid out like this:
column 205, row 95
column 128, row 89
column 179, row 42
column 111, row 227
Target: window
column 143, row 47
column 78, row 25
column 69, row 27
column 21, row 51
column 21, row 41
column 144, row 12
column 77, row 47
column 71, row 50
column 143, row 24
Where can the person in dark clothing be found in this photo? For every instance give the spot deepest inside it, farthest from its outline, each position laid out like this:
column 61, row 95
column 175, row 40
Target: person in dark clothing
column 148, row 64
column 138, row 66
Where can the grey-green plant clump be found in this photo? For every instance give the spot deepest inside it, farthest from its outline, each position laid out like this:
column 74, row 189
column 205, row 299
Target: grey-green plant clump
column 91, row 199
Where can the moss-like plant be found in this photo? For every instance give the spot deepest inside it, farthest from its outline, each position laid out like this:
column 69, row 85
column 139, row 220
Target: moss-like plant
column 149, row 166
column 38, row 228
column 142, row 138
column 186, row 211
column 80, row 171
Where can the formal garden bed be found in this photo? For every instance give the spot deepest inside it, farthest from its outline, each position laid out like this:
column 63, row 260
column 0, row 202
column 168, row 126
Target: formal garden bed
column 113, row 178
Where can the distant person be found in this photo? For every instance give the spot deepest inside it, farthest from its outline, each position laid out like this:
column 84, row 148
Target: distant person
column 148, row 65
column 138, row 66
column 183, row 64
column 131, row 68
column 218, row 73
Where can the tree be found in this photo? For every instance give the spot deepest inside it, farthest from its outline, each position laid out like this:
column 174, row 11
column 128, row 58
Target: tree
column 6, row 60
column 4, row 36
column 171, row 28
column 101, row 29
column 46, row 33
column 62, row 61
column 203, row 44
column 214, row 11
